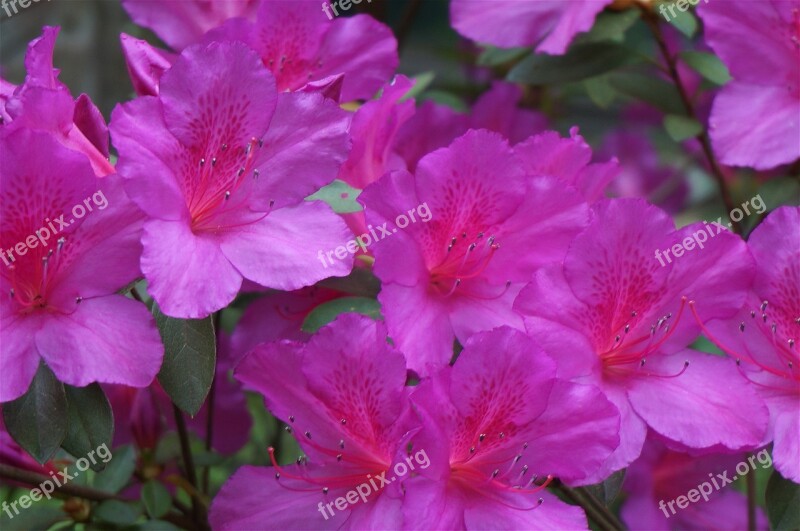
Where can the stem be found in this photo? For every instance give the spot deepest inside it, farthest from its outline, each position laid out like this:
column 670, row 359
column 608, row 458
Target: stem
column 188, row 463
column 702, row 137
column 751, row 502
column 209, row 432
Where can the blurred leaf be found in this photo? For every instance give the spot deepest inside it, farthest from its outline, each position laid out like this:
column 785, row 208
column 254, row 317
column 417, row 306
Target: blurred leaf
column 327, row 312
column 91, row 421
column 38, row 419
column 780, row 191
column 610, row 26
column 156, row 499
column 446, row 98
column 421, row 82
column 118, row 471
column 685, row 21
column 116, row 512
column 157, row 525
column 783, row 503
column 607, row 491
column 580, row 62
column 649, row 89
column 682, row 128
column 707, row 65
column 359, row 282
column 46, row 514
column 600, row 91
column 190, row 351
column 492, row 56
column 340, row 196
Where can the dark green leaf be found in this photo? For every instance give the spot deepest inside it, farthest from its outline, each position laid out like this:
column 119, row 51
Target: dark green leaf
column 340, row 196
column 707, row 65
column 118, row 471
column 190, row 352
column 610, row 26
column 777, row 192
column 492, row 56
column 579, row 63
column 156, row 499
column 116, row 512
column 327, row 312
column 600, row 91
column 607, row 491
column 359, row 282
column 91, row 422
column 158, row 525
column 783, row 503
column 38, row 419
column 41, row 515
column 684, row 21
column 649, row 89
column 682, row 128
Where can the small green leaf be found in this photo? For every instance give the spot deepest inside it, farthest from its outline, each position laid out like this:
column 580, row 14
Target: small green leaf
column 707, row 65
column 116, row 512
column 600, row 91
column 361, row 282
column 421, row 82
column 118, row 470
column 38, row 419
column 607, row 491
column 156, row 499
column 340, row 196
column 610, row 26
column 190, row 352
column 91, row 422
column 327, row 312
column 649, row 89
column 158, row 525
column 682, row 128
column 684, row 21
column 783, row 503
column 492, row 56
column 579, row 63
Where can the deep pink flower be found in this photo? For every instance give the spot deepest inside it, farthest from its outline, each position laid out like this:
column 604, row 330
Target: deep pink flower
column 613, row 316
column 219, row 163
column 755, row 120
column 550, row 25
column 43, row 103
column 60, row 298
column 343, row 395
column 183, row 22
column 497, row 425
column 146, row 64
column 661, row 475
column 491, row 226
column 763, row 336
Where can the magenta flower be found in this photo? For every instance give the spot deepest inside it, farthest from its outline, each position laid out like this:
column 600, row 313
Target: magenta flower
column 43, row 103
column 459, row 273
column 301, row 46
column 184, row 22
column 550, row 25
column 755, row 120
column 219, row 163
column 763, row 336
column 498, row 426
column 613, row 316
column 146, row 64
column 343, row 395
column 63, row 268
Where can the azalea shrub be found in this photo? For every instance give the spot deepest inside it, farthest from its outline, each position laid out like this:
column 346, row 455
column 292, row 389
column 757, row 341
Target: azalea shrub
column 454, row 264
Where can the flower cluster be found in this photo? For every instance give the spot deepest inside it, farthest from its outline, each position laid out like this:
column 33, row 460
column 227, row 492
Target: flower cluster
column 480, row 369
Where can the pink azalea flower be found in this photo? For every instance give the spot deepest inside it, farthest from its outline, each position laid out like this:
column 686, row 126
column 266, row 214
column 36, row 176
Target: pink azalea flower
column 343, row 395
column 146, row 64
column 219, row 163
column 183, row 22
column 458, row 273
column 613, row 316
column 661, row 475
column 60, row 292
column 755, row 120
column 763, row 336
column 498, row 426
column 550, row 25
column 43, row 103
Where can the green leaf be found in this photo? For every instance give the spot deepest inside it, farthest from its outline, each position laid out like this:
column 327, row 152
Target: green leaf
column 158, row 525
column 361, row 282
column 607, row 491
column 190, row 352
column 649, row 89
column 327, row 312
column 116, row 512
column 684, row 21
column 156, row 499
column 610, row 26
column 707, row 65
column 118, row 470
column 779, row 191
column 91, row 422
column 46, row 513
column 492, row 56
column 783, row 503
column 421, row 82
column 600, row 91
column 38, row 419
column 579, row 63
column 682, row 128
column 340, row 196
